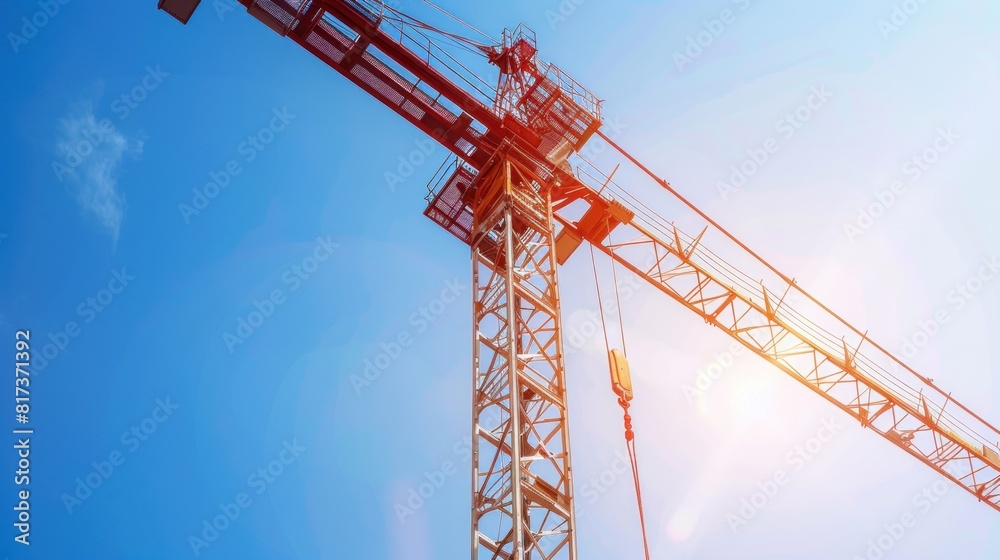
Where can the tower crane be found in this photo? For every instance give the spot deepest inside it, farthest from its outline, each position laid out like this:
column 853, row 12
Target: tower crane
column 511, row 195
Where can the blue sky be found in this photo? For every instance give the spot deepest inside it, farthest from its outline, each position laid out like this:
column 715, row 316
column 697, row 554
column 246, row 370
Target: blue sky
column 307, row 230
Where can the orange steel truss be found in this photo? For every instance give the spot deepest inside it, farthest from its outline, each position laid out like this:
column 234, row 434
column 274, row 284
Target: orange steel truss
column 816, row 347
column 522, row 486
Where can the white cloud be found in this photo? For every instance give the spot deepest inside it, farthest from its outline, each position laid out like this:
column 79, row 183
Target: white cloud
column 90, row 154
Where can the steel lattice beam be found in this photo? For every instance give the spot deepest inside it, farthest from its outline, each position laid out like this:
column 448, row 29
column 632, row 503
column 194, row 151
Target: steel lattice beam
column 522, row 484
column 837, row 370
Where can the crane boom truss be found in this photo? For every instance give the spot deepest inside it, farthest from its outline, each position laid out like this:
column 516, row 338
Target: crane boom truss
column 844, row 367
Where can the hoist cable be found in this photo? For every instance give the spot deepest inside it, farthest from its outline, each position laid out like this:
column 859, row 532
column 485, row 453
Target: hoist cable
column 614, row 275
column 629, row 434
column 633, row 457
column 600, row 308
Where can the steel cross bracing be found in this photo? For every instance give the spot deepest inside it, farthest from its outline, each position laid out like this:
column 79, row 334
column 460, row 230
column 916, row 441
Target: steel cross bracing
column 834, row 372
column 845, row 368
column 522, row 483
